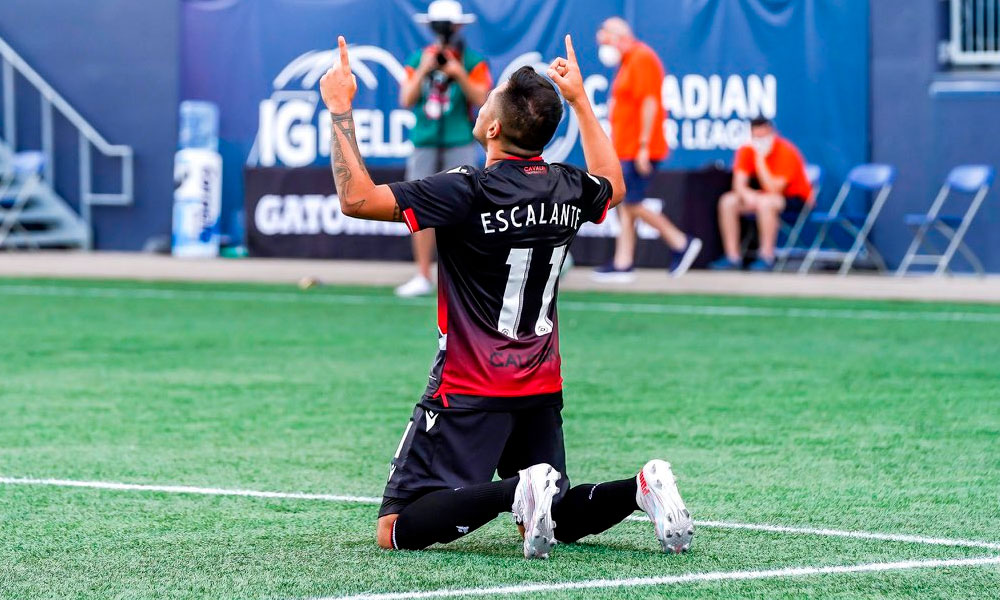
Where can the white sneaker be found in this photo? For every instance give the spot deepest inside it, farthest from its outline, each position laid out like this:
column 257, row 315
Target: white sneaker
column 533, row 508
column 418, row 285
column 658, row 496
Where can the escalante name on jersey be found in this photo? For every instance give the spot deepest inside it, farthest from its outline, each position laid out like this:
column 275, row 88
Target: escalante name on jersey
column 565, row 215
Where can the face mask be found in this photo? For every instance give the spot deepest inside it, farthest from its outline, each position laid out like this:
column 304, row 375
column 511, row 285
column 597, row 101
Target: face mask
column 764, row 144
column 609, row 55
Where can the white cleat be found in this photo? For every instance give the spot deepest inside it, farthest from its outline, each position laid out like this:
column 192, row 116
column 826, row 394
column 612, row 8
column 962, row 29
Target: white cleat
column 418, row 285
column 533, row 508
column 658, row 496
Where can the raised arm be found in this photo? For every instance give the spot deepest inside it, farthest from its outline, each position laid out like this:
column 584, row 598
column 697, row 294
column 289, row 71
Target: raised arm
column 359, row 196
column 597, row 148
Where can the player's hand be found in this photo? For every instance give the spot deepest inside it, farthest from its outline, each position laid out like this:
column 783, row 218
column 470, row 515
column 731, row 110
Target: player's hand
column 565, row 72
column 338, row 85
column 453, row 68
column 643, row 165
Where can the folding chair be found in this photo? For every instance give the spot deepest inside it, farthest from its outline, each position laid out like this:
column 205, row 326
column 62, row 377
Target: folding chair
column 815, row 175
column 973, row 180
column 790, row 222
column 875, row 178
column 17, row 186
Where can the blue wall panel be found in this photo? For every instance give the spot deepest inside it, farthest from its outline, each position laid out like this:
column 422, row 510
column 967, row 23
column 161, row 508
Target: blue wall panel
column 117, row 62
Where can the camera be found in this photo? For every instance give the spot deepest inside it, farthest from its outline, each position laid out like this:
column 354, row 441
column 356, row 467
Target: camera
column 445, row 31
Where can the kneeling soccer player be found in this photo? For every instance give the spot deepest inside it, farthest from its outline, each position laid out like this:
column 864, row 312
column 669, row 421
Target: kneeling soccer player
column 495, row 393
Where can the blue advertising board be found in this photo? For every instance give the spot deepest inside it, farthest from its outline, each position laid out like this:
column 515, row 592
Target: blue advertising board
column 803, row 63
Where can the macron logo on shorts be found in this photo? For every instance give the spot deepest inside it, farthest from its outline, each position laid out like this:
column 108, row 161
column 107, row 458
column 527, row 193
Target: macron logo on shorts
column 431, row 418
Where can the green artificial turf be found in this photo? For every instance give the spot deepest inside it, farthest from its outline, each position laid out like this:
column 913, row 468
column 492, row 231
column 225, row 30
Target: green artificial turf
column 877, row 424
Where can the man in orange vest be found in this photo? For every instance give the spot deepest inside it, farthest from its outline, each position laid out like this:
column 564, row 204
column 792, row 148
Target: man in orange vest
column 637, row 118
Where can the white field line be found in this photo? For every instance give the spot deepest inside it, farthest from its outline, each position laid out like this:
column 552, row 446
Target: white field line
column 861, row 535
column 186, row 489
column 211, row 491
column 632, row 582
column 570, row 305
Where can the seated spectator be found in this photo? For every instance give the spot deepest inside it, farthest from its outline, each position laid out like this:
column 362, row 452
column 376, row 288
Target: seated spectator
column 769, row 178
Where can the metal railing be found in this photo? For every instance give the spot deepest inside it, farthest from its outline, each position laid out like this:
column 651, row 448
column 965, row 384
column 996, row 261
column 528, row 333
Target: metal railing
column 88, row 137
column 975, row 32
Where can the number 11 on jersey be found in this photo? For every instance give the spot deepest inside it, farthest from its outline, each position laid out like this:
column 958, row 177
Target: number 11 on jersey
column 519, row 261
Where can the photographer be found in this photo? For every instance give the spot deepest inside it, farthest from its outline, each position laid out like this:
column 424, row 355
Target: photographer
column 446, row 83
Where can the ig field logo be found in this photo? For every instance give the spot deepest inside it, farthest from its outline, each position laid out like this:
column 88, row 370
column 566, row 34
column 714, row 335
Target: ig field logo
column 294, row 130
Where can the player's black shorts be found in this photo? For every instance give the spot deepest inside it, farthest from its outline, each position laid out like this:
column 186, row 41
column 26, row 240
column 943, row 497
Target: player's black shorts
column 453, row 447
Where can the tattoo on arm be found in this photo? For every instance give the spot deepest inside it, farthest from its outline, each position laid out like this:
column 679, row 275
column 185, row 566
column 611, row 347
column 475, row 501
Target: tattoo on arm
column 397, row 215
column 342, row 124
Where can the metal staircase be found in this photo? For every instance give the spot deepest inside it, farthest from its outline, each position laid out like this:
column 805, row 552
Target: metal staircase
column 33, row 214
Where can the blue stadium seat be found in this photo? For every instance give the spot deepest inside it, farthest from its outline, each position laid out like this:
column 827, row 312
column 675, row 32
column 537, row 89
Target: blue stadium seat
column 825, row 217
column 871, row 178
column 968, row 180
column 792, row 222
column 916, row 220
column 815, row 175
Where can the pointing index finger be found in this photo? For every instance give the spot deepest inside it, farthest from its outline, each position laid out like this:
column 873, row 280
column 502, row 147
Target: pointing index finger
column 342, row 43
column 570, row 52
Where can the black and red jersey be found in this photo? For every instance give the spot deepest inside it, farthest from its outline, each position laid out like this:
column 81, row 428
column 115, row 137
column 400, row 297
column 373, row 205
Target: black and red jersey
column 502, row 236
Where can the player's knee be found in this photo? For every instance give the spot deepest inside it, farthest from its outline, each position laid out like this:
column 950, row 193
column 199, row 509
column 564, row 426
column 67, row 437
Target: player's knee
column 385, row 540
column 383, row 531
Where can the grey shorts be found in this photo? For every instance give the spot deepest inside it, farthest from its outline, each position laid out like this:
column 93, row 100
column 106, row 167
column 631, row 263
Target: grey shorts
column 423, row 162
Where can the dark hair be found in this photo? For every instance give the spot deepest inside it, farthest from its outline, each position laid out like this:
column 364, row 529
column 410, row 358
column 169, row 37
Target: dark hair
column 530, row 110
column 761, row 122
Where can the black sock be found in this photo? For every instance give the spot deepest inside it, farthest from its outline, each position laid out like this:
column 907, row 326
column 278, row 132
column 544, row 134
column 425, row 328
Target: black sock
column 592, row 508
column 446, row 515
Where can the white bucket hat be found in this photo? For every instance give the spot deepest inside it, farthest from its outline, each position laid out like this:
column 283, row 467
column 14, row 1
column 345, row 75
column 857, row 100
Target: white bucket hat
column 444, row 10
